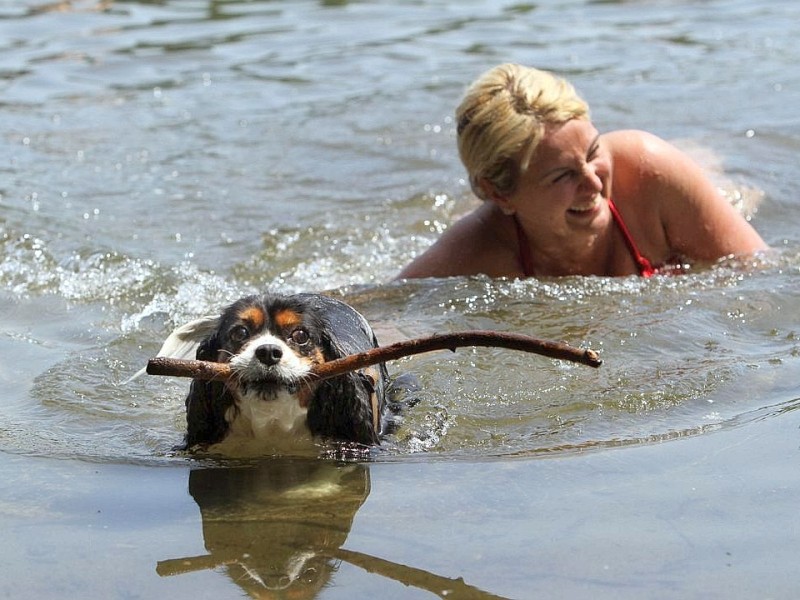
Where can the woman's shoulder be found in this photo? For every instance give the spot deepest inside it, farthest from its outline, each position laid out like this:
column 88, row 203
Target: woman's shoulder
column 624, row 143
column 472, row 245
column 665, row 195
column 648, row 163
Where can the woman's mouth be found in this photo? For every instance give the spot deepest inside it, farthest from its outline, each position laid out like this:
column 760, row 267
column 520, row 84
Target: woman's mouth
column 585, row 207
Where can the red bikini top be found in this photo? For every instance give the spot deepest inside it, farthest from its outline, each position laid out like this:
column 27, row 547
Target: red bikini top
column 646, row 269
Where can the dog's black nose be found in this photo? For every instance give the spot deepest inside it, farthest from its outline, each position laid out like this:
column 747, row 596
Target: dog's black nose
column 269, row 354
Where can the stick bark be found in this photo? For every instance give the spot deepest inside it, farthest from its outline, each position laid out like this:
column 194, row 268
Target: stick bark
column 198, row 369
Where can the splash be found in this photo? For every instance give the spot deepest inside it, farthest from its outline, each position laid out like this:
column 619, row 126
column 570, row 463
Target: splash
column 678, row 350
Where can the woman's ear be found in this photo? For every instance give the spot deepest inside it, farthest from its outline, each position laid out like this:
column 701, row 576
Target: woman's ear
column 489, row 192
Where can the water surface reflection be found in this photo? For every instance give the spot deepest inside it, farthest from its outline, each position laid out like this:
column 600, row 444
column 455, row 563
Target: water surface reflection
column 276, row 529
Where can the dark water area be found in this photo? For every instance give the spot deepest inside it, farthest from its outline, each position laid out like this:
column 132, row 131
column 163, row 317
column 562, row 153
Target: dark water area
column 159, row 159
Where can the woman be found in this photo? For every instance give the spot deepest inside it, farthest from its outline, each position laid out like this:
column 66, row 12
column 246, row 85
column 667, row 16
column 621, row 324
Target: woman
column 561, row 199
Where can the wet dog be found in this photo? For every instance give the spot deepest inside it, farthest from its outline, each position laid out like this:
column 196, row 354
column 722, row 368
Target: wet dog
column 270, row 404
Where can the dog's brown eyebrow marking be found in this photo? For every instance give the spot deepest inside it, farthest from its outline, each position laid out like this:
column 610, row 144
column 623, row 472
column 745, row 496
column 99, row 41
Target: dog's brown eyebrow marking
column 254, row 316
column 287, row 318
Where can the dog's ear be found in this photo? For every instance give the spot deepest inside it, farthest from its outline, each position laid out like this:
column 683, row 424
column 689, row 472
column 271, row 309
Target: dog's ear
column 205, row 413
column 207, row 401
column 332, row 347
column 184, row 341
column 341, row 409
column 207, row 350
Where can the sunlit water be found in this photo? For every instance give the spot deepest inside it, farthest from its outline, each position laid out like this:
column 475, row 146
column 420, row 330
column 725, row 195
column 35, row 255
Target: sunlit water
column 161, row 159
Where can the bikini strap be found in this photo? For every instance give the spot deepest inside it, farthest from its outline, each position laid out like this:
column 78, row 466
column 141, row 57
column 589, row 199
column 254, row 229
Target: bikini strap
column 646, row 269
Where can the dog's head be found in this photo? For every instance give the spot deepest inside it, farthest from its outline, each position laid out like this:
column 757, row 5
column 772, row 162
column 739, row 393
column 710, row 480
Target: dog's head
column 271, row 343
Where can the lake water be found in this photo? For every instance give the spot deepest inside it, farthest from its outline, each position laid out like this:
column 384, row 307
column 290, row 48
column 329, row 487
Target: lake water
column 162, row 158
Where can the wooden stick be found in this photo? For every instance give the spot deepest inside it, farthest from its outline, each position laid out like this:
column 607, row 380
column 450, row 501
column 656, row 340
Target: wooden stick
column 198, row 369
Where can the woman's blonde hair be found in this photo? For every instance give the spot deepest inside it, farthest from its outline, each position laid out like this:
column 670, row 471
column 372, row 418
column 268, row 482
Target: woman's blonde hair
column 502, row 119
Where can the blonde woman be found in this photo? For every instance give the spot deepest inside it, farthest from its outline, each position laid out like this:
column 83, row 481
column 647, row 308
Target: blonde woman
column 561, row 199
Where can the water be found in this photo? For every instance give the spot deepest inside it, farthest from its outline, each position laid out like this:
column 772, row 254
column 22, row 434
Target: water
column 160, row 159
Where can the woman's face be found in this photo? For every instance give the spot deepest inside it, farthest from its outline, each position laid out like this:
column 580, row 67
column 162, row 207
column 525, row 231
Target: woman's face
column 566, row 184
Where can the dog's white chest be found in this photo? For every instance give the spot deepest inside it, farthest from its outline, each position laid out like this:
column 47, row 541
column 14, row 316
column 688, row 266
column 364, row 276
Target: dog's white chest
column 256, row 426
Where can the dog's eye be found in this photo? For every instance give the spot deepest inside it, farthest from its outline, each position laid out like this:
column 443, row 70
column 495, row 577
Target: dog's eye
column 300, row 337
column 239, row 334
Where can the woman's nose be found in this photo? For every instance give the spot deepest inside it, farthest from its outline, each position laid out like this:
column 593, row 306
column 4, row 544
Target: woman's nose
column 590, row 180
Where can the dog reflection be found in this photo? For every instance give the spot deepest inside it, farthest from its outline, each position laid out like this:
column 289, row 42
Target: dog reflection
column 275, row 526
column 278, row 529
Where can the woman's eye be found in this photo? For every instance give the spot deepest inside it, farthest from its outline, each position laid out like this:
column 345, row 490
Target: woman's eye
column 563, row 176
column 239, row 334
column 299, row 337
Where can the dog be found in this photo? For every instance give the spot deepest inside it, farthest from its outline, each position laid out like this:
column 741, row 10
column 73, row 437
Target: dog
column 270, row 404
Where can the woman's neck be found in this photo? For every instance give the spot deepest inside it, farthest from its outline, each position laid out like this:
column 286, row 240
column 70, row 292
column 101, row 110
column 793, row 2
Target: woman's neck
column 593, row 253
